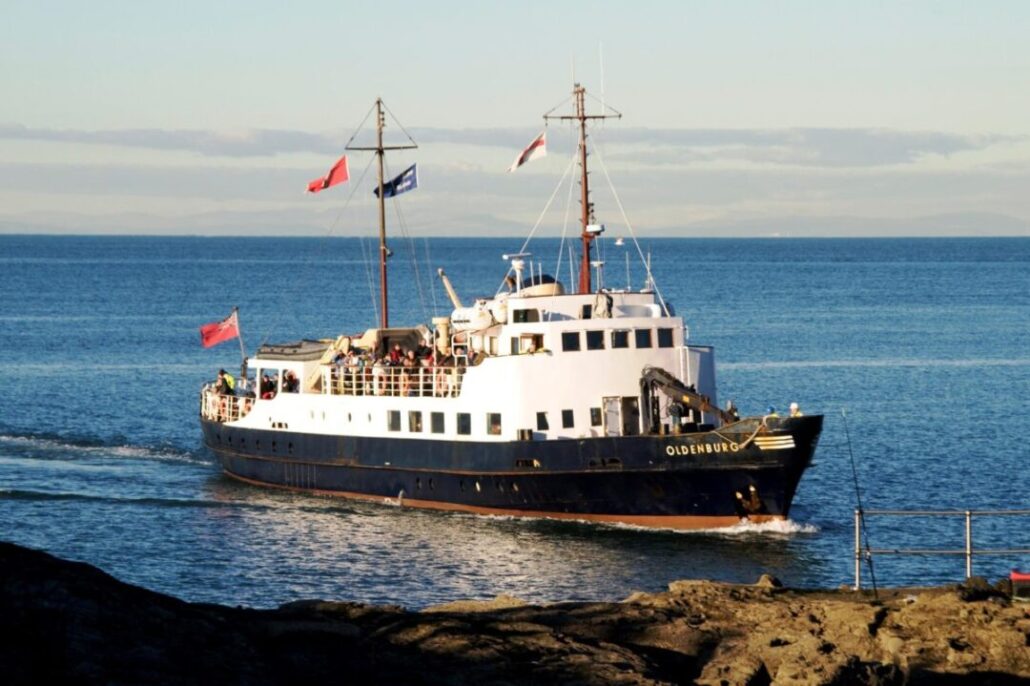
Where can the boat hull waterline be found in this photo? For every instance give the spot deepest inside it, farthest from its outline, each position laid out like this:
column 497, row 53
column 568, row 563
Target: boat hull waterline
column 683, row 481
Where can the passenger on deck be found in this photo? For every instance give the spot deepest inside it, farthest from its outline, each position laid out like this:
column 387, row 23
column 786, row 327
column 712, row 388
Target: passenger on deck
column 731, row 410
column 226, row 383
column 396, row 354
column 290, row 383
column 795, row 410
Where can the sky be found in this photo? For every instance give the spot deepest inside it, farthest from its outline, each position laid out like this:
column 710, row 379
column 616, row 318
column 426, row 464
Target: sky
column 738, row 118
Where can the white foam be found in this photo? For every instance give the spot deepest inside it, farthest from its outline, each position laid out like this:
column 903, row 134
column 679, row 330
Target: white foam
column 134, row 452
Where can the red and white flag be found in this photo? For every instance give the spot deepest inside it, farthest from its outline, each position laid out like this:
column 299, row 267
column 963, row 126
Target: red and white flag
column 538, row 148
column 338, row 174
column 217, row 332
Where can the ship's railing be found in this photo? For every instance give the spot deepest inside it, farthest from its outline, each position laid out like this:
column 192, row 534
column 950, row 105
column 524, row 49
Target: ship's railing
column 969, row 551
column 418, row 382
column 217, row 407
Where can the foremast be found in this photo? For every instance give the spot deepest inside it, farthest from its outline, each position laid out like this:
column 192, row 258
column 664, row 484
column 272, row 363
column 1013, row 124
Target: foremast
column 384, row 252
column 587, row 215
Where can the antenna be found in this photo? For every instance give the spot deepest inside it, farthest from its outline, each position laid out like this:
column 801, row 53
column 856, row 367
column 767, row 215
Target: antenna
column 600, row 59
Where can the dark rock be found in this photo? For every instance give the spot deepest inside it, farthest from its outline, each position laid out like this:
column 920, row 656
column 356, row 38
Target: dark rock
column 977, row 588
column 66, row 622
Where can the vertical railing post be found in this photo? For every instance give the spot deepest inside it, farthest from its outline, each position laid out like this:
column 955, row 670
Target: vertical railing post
column 858, row 549
column 969, row 544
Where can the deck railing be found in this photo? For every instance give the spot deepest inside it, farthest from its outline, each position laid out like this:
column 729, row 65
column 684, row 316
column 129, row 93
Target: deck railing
column 223, row 408
column 969, row 551
column 440, row 382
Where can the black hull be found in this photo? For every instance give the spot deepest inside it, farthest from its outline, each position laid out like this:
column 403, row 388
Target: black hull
column 678, row 481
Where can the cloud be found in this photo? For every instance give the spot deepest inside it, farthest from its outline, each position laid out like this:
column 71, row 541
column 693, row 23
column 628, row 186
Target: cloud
column 808, row 147
column 212, row 143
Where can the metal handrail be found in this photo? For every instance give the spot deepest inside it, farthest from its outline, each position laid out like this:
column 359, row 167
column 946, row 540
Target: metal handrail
column 224, row 408
column 968, row 551
column 435, row 381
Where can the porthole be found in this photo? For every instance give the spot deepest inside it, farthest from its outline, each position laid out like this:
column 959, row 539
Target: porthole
column 418, row 484
column 432, row 486
column 514, row 487
column 478, row 489
column 289, row 447
column 499, row 486
column 461, row 485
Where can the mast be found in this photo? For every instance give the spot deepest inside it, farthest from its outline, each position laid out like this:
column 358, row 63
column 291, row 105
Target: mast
column 587, row 214
column 384, row 252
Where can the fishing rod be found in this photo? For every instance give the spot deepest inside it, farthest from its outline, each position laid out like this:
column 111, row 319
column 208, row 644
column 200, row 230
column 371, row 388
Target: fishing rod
column 861, row 510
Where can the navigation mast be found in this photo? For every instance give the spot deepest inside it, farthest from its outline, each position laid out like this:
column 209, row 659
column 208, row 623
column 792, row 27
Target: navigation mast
column 384, row 252
column 587, row 214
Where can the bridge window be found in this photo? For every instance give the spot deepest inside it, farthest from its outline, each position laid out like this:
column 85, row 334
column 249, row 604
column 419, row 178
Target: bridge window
column 464, row 423
column 595, row 340
column 566, row 419
column 570, row 341
column 436, row 422
column 415, row 421
column 525, row 316
column 664, row 338
column 541, row 421
column 393, row 420
column 643, row 338
column 620, row 339
column 493, row 423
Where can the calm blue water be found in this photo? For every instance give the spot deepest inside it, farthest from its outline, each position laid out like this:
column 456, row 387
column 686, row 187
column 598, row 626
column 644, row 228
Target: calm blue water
column 924, row 342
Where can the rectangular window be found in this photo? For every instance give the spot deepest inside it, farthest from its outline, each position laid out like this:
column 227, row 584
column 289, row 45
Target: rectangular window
column 620, row 339
column 393, row 420
column 464, row 423
column 541, row 421
column 493, row 423
column 525, row 316
column 566, row 419
column 595, row 416
column 514, row 346
column 491, row 345
column 643, row 337
column 664, row 338
column 415, row 421
column 436, row 422
column 595, row 340
column 570, row 341
column 586, row 311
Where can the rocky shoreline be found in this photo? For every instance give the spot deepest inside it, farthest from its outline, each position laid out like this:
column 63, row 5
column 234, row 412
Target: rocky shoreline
column 68, row 622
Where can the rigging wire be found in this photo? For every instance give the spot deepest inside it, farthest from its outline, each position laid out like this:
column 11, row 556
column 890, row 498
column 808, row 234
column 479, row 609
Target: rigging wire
column 402, row 224
column 629, row 226
column 564, row 232
column 433, row 282
column 324, row 242
column 366, row 259
column 399, row 125
column 540, row 218
column 861, row 510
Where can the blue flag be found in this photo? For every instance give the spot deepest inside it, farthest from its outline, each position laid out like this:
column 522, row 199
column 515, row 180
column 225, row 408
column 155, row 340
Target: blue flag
column 408, row 180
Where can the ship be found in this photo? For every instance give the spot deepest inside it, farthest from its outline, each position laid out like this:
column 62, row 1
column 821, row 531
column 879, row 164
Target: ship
column 585, row 403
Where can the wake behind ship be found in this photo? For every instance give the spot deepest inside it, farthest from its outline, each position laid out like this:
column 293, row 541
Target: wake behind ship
column 590, row 405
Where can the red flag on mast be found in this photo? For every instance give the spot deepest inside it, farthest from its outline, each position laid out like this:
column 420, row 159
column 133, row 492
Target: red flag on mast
column 217, row 332
column 338, row 174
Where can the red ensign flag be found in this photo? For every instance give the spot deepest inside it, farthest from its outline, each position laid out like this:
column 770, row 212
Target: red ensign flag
column 217, row 332
column 338, row 174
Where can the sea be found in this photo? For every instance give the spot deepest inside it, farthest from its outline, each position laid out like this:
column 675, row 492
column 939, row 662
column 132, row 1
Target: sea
column 916, row 351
